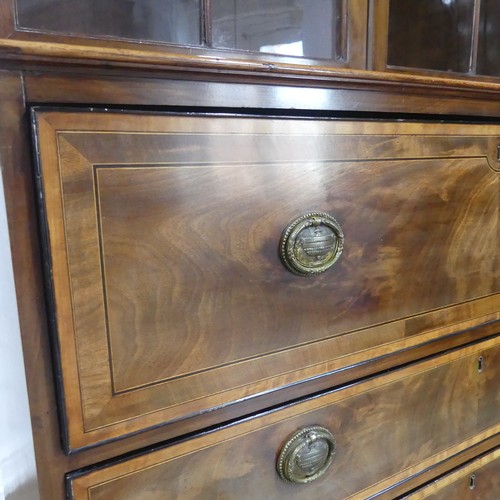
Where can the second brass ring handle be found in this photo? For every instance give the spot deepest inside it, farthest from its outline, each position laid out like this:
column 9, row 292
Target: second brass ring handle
column 311, row 244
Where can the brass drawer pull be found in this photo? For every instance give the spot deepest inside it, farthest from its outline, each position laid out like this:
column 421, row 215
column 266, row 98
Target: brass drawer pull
column 306, row 455
column 311, row 244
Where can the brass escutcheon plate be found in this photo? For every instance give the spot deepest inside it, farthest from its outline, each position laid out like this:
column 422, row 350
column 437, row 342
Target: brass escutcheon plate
column 311, row 244
column 306, row 455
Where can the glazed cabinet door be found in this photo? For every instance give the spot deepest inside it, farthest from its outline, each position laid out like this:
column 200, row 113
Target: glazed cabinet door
column 457, row 36
column 330, row 33
column 195, row 261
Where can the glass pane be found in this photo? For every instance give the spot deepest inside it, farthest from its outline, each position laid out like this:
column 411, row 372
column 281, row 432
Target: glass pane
column 175, row 21
column 431, row 34
column 289, row 27
column 488, row 57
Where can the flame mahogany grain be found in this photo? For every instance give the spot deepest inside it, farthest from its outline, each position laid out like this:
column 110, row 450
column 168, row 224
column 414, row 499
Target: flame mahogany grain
column 163, row 233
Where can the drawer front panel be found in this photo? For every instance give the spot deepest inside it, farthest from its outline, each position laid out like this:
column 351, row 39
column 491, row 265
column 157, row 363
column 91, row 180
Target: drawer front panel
column 479, row 480
column 386, row 429
column 170, row 295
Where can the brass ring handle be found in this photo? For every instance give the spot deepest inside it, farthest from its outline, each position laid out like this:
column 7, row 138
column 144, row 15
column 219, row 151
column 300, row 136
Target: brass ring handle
column 311, row 244
column 306, row 455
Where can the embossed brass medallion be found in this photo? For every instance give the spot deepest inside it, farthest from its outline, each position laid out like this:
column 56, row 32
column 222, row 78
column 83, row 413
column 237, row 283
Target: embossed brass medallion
column 311, row 244
column 306, row 455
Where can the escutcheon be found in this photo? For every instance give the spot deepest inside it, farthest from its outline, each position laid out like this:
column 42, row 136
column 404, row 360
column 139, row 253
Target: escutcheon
column 311, row 244
column 306, row 455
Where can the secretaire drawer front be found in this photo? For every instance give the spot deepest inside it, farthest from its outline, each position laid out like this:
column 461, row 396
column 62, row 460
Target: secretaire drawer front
column 199, row 260
column 383, row 431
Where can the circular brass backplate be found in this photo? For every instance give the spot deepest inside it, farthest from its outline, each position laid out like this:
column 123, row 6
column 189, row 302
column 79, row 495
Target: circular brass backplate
column 306, row 455
column 311, row 244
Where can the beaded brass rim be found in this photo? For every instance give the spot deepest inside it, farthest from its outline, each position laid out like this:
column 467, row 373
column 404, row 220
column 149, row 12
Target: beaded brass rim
column 311, row 244
column 307, row 455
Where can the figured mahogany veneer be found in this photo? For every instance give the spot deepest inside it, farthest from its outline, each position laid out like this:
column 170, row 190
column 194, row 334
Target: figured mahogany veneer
column 163, row 231
column 387, row 429
column 478, row 480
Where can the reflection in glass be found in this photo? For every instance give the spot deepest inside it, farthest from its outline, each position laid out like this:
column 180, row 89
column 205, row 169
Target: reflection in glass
column 175, row 21
column 488, row 56
column 289, row 27
column 431, row 34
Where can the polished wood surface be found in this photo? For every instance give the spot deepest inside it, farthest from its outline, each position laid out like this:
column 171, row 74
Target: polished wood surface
column 18, row 179
column 401, row 489
column 478, row 480
column 407, row 412
column 70, row 70
column 155, row 322
column 440, row 327
column 33, row 54
column 336, row 95
column 60, row 41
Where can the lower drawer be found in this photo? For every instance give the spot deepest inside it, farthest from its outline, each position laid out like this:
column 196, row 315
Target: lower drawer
column 385, row 430
column 478, row 480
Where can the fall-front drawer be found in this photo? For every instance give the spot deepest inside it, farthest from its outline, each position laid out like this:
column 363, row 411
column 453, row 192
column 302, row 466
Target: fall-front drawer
column 383, row 431
column 196, row 261
column 478, row 480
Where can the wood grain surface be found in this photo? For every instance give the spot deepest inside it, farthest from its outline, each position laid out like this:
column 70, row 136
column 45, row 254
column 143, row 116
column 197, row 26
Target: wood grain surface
column 258, row 92
column 48, row 68
column 478, row 480
column 444, row 328
column 170, row 295
column 386, row 429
